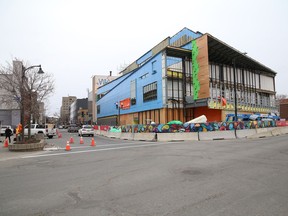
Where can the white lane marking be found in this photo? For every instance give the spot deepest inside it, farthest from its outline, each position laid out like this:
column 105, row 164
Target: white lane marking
column 101, row 145
column 95, row 150
column 76, row 147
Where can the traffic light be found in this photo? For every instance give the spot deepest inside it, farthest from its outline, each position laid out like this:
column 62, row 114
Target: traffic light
column 116, row 104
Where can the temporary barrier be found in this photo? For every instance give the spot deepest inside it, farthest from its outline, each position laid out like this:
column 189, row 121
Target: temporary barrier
column 113, row 134
column 93, row 142
column 67, row 146
column 81, row 140
column 164, row 137
column 201, row 136
column 144, row 136
column 245, row 133
column 6, row 143
column 126, row 136
column 217, row 135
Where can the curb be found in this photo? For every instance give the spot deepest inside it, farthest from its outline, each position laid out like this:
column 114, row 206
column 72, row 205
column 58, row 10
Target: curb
column 27, row 147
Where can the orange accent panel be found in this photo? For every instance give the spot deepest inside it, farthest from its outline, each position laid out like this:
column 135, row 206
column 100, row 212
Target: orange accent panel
column 211, row 114
column 203, row 62
column 125, row 104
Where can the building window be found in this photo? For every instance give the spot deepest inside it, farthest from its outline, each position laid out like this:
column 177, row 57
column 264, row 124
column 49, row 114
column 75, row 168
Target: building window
column 100, row 95
column 150, row 92
column 154, row 71
column 98, row 109
column 133, row 91
column 144, row 76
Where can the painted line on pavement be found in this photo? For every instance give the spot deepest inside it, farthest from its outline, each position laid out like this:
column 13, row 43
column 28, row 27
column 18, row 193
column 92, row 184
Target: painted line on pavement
column 95, row 150
column 102, row 145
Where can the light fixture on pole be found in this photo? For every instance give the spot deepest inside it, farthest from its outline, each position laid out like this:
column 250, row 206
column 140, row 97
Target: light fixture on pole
column 40, row 71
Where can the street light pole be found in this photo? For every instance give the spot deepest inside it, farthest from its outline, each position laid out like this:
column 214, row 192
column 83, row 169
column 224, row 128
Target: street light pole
column 119, row 105
column 40, row 71
column 118, row 114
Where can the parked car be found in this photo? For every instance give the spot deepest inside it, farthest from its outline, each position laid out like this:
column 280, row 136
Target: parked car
column 73, row 128
column 86, row 130
column 47, row 129
column 50, row 130
column 4, row 127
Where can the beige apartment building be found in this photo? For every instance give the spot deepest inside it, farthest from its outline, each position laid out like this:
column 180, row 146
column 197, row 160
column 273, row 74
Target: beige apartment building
column 65, row 108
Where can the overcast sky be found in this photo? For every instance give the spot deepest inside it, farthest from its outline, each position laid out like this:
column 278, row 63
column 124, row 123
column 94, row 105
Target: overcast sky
column 76, row 39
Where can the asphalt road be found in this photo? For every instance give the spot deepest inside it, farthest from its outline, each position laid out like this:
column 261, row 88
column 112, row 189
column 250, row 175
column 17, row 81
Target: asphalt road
column 214, row 178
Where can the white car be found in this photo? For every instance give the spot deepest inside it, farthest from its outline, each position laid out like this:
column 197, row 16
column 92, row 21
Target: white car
column 86, row 130
column 3, row 128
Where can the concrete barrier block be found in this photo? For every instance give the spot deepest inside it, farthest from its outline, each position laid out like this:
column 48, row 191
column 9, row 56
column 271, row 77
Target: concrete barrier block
column 187, row 136
column 261, row 133
column 261, row 130
column 144, row 136
column 276, row 132
column 245, row 133
column 116, row 135
column 284, row 130
column 126, row 136
column 174, row 137
column 103, row 133
column 217, row 135
column 165, row 137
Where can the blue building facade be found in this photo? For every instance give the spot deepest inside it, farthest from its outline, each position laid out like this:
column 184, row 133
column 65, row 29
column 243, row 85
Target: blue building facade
column 160, row 85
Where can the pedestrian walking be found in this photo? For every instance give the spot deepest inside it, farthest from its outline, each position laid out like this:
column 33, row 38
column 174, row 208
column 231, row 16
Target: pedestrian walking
column 8, row 133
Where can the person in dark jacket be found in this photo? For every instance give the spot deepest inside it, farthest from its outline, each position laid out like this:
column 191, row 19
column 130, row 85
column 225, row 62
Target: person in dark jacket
column 8, row 133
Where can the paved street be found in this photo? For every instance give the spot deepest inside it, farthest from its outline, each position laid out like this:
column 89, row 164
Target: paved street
column 120, row 177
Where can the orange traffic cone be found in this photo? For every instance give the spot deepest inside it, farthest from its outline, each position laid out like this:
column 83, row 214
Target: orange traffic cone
column 6, row 143
column 81, row 140
column 92, row 142
column 71, row 140
column 67, row 146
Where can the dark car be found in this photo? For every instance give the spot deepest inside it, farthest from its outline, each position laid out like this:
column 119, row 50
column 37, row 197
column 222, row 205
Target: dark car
column 73, row 128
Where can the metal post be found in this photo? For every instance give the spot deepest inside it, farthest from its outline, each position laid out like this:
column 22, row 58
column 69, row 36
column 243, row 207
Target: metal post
column 22, row 103
column 22, row 97
column 119, row 114
column 235, row 97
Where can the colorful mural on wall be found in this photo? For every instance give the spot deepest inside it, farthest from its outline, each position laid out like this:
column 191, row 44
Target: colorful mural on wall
column 203, row 127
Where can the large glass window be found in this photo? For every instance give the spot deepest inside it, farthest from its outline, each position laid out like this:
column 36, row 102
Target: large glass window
column 150, row 92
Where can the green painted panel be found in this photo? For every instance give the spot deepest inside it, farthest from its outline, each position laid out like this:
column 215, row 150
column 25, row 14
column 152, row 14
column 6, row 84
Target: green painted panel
column 195, row 70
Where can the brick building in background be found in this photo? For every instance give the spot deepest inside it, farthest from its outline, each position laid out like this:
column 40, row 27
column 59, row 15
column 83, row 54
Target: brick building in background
column 284, row 109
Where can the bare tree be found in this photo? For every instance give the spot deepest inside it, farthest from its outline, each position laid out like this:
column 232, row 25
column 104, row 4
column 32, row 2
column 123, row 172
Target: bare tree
column 23, row 80
column 57, row 115
column 281, row 96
